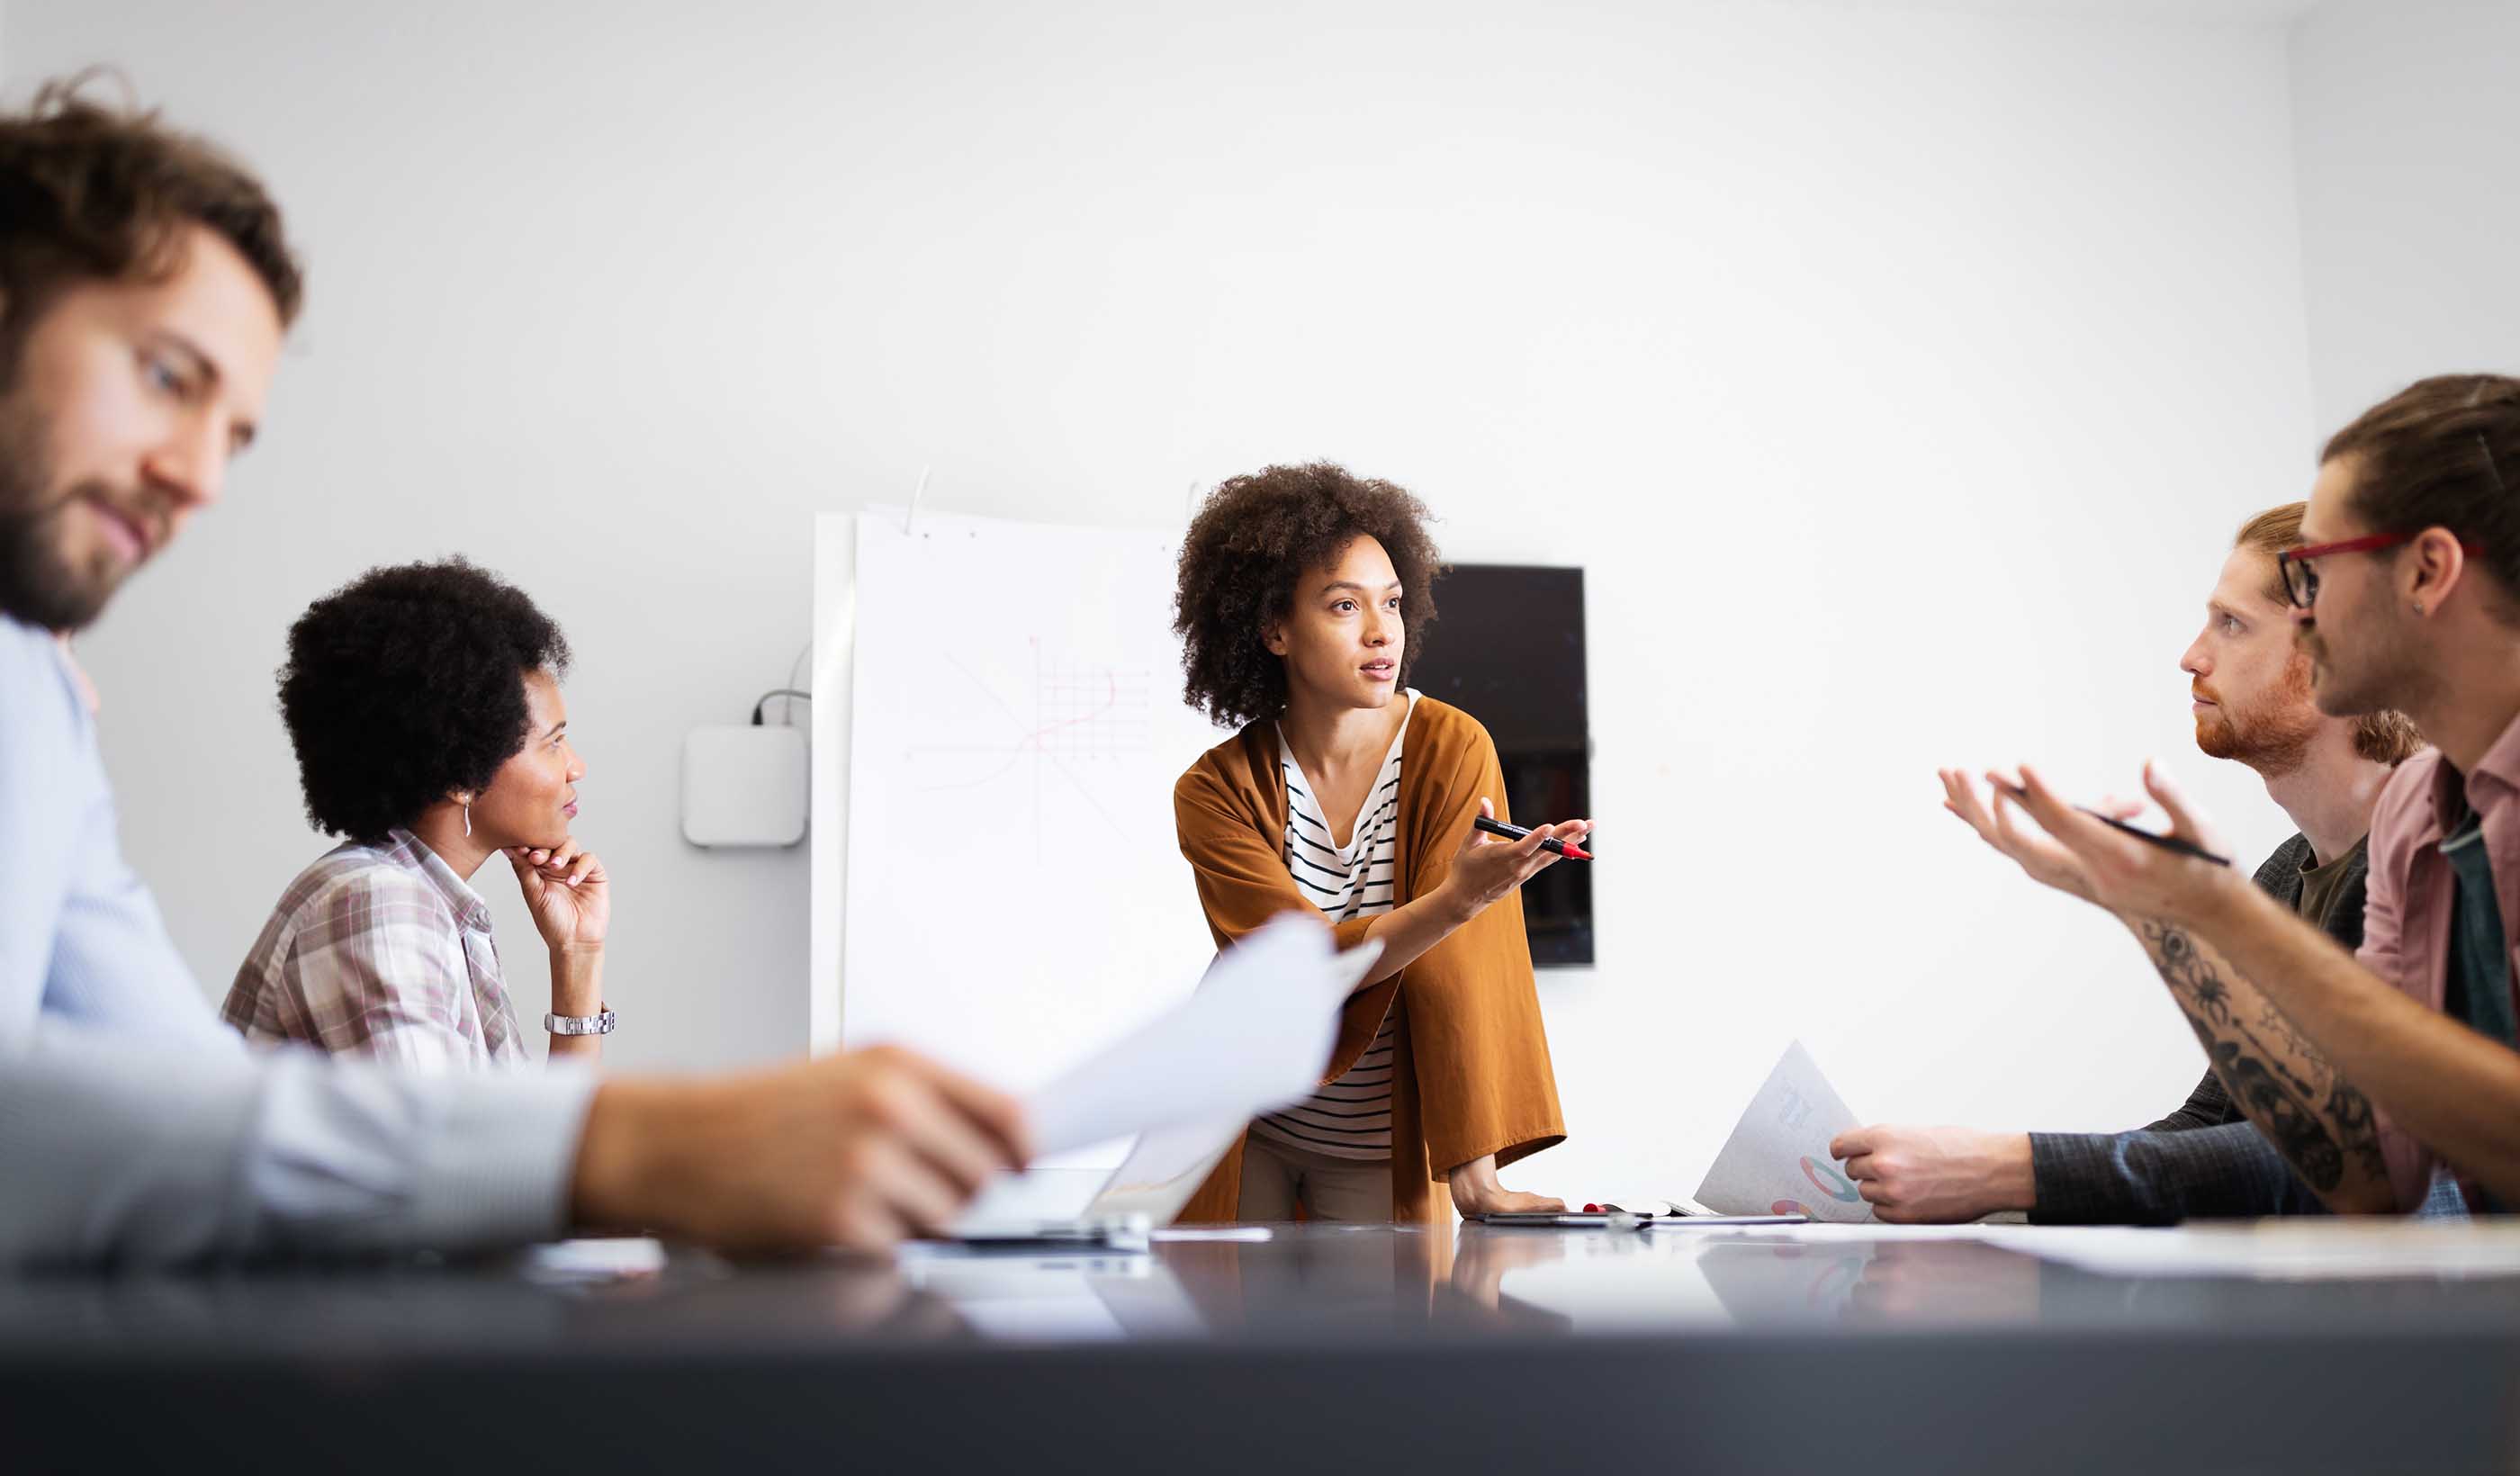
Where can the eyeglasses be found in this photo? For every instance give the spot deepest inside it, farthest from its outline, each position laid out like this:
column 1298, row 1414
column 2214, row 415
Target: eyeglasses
column 2301, row 578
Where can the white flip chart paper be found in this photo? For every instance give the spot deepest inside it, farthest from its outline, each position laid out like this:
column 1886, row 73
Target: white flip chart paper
column 1014, row 889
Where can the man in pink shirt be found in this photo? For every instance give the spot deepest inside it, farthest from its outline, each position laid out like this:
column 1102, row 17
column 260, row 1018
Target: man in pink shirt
column 2365, row 1070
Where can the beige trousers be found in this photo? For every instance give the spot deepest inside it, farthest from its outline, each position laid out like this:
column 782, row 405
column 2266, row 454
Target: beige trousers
column 1277, row 1178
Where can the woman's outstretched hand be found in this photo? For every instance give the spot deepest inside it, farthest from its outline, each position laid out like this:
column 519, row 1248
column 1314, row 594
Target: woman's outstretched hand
column 1488, row 867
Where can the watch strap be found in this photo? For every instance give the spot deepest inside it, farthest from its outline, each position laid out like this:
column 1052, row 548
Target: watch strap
column 580, row 1024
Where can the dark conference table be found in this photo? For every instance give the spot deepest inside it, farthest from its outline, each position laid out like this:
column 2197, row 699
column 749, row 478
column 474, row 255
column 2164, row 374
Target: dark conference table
column 1469, row 1350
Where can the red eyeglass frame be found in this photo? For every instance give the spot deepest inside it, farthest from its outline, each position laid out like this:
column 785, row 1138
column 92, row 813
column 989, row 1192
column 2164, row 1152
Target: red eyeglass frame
column 2370, row 543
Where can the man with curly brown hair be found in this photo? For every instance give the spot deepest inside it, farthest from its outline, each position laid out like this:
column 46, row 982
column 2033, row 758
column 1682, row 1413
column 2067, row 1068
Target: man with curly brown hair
column 145, row 291
column 1301, row 593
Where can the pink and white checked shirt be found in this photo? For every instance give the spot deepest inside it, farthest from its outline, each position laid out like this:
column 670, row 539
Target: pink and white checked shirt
column 381, row 952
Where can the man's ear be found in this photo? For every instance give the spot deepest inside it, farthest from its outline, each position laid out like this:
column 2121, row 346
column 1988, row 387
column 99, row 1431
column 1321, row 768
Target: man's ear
column 2435, row 565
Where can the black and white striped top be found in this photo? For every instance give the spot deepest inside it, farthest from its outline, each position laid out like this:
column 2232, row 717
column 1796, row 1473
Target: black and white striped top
column 1351, row 1117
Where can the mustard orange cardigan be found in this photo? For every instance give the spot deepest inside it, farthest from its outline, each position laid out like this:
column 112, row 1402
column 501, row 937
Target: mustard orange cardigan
column 1470, row 1072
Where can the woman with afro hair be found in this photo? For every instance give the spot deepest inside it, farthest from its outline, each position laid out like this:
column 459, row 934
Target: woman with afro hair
column 424, row 702
column 1303, row 594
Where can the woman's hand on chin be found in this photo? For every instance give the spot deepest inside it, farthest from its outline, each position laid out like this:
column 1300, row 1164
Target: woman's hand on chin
column 566, row 888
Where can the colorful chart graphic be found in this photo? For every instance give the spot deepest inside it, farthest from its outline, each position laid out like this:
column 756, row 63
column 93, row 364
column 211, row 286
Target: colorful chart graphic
column 1791, row 1207
column 1825, row 1178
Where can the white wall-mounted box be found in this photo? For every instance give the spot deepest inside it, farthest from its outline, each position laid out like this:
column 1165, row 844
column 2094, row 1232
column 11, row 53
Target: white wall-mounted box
column 744, row 785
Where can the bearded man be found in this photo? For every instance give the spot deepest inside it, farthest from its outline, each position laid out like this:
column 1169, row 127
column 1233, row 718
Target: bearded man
column 2250, row 689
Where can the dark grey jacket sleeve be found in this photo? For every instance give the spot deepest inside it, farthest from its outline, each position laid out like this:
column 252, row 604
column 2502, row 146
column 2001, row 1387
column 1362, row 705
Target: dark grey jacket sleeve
column 2203, row 1161
column 2208, row 1106
column 2147, row 1178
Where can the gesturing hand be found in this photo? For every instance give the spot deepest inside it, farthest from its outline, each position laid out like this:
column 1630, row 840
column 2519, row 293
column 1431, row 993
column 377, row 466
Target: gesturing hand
column 571, row 896
column 2043, row 860
column 2130, row 876
column 1487, row 867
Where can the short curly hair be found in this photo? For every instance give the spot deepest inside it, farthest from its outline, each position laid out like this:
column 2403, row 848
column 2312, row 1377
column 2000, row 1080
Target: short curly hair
column 1252, row 539
column 407, row 684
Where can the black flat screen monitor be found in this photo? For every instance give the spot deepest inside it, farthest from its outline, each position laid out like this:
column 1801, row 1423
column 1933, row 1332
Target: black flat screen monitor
column 1508, row 649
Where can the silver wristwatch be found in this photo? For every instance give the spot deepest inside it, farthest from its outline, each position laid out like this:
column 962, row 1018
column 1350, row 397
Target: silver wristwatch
column 579, row 1024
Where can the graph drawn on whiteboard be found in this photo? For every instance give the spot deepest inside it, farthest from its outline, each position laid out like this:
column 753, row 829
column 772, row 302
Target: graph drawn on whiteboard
column 1089, row 710
column 1014, row 892
column 1078, row 716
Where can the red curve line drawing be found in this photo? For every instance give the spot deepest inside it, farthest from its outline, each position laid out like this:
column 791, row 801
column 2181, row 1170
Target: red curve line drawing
column 1031, row 743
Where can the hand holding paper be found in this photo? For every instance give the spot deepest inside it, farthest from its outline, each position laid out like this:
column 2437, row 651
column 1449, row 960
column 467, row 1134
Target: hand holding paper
column 1777, row 1161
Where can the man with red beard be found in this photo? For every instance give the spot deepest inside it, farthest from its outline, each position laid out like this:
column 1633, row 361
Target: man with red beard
column 2251, row 690
column 2374, row 1072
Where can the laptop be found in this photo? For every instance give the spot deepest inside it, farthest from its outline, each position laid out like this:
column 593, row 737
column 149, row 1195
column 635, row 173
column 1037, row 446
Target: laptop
column 1152, row 1184
column 1150, row 1188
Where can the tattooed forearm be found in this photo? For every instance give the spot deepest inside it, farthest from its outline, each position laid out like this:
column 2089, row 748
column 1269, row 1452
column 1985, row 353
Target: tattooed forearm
column 2314, row 1117
column 2310, row 1067
column 2351, row 1111
column 2285, row 1119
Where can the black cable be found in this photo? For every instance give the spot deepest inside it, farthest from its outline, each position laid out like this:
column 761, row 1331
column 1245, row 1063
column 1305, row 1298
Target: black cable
column 776, row 692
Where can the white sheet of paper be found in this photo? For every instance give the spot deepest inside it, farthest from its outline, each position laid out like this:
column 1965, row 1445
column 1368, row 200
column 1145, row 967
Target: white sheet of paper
column 1854, row 1232
column 1777, row 1161
column 595, row 1260
column 1254, row 1037
column 2278, row 1250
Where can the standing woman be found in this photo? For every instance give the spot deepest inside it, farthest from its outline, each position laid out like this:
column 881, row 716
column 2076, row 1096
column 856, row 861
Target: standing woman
column 1300, row 596
column 424, row 702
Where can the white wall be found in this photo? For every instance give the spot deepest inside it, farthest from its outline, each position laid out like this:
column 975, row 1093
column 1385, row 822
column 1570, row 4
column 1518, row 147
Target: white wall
column 1899, row 375
column 2405, row 114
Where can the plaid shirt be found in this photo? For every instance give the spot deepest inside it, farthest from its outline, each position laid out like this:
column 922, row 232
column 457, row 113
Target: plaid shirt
column 380, row 950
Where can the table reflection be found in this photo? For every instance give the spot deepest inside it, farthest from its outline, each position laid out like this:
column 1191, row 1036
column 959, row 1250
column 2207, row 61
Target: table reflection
column 1636, row 1281
column 1306, row 1286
